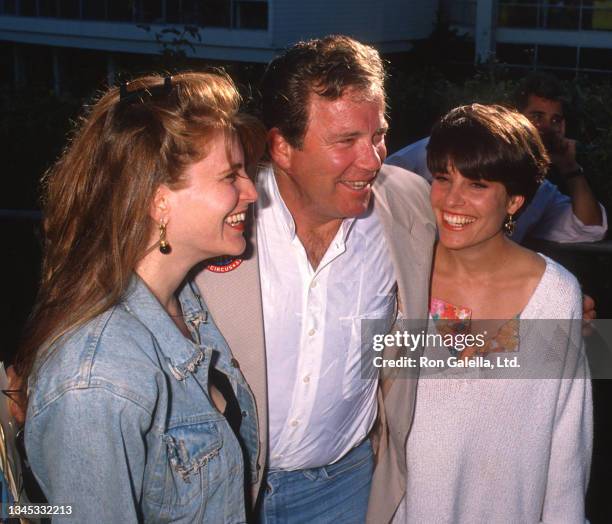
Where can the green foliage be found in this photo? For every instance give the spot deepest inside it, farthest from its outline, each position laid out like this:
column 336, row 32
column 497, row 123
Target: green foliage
column 419, row 98
column 594, row 130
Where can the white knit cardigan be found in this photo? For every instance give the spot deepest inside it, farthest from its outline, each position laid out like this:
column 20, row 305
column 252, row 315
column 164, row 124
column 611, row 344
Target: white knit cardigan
column 506, row 450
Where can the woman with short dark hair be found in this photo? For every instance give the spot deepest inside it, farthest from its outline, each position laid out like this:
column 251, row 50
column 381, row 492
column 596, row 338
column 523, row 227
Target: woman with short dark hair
column 507, row 444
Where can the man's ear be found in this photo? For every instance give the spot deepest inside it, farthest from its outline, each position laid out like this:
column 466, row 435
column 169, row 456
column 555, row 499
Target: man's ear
column 280, row 150
column 515, row 202
column 160, row 205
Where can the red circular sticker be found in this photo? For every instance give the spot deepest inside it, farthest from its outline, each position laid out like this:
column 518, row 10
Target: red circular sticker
column 224, row 264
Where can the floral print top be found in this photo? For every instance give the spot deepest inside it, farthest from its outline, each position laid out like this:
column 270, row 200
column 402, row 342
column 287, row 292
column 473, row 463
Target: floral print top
column 452, row 319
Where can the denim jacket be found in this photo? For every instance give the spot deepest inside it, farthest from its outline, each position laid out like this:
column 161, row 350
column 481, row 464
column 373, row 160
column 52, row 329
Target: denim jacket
column 121, row 426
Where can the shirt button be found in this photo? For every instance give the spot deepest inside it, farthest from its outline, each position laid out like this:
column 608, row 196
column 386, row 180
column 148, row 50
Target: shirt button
column 294, row 423
column 306, row 379
column 313, row 285
column 311, row 332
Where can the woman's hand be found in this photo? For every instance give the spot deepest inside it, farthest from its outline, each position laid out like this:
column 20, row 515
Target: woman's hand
column 588, row 314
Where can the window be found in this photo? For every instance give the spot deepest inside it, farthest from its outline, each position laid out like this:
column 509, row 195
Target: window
column 8, row 7
column 231, row 14
column 192, row 12
column 547, row 14
column 217, row 13
column 518, row 14
column 27, row 8
column 150, row 11
column 119, row 10
column 93, row 11
column 47, row 8
column 251, row 14
column 69, row 9
column 564, row 17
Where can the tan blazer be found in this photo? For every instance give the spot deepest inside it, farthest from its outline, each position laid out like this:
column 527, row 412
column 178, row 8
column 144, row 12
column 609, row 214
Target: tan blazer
column 401, row 200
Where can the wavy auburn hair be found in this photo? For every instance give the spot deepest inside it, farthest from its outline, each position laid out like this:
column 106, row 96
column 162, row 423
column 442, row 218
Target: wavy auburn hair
column 97, row 196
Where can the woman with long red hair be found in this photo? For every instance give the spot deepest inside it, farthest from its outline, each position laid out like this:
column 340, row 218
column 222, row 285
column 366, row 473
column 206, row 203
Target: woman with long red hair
column 135, row 412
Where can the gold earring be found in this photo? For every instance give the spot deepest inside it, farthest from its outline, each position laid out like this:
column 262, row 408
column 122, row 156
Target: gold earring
column 164, row 246
column 509, row 225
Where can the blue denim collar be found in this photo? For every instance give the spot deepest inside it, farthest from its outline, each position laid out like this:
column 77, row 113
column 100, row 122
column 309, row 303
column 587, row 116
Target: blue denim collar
column 182, row 354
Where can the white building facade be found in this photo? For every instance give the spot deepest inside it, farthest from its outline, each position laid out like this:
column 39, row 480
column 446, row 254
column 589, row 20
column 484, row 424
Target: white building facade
column 235, row 30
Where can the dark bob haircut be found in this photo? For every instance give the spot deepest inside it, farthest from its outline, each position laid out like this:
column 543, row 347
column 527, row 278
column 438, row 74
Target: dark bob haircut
column 492, row 143
column 327, row 67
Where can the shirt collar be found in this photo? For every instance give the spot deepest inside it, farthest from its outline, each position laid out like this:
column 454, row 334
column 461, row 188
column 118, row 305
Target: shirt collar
column 179, row 351
column 276, row 202
column 345, row 228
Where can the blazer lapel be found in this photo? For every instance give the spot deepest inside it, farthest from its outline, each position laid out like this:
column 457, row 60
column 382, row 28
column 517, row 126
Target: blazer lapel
column 234, row 301
column 403, row 209
column 410, row 254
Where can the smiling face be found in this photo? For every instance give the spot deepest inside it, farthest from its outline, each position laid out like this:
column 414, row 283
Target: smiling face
column 469, row 212
column 331, row 175
column 205, row 217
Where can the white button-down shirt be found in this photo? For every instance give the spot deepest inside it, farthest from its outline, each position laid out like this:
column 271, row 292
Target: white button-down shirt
column 320, row 406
